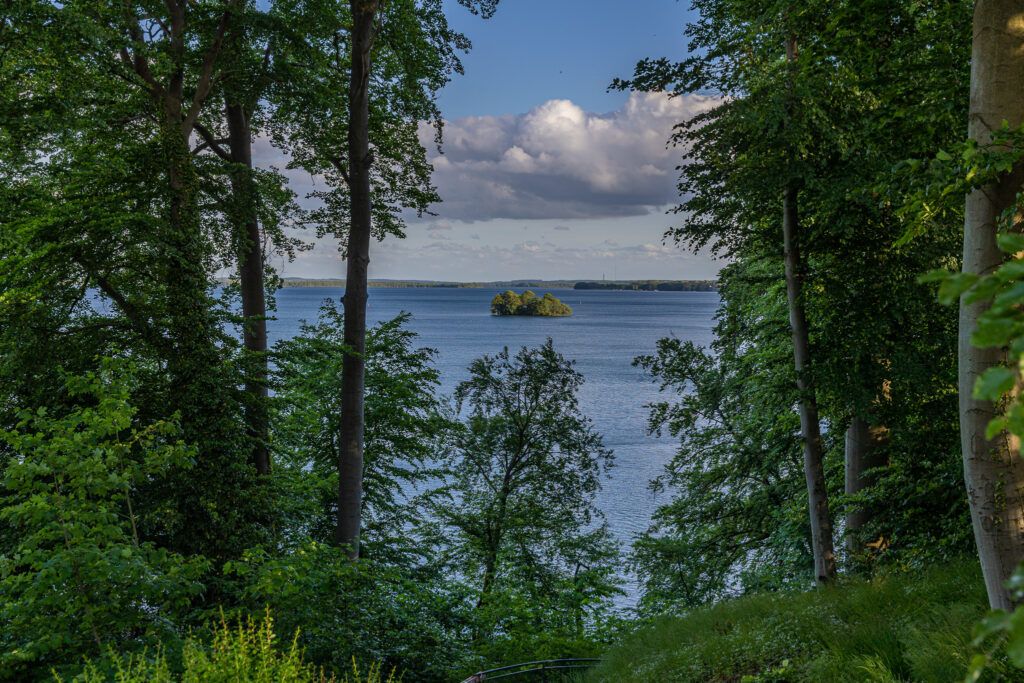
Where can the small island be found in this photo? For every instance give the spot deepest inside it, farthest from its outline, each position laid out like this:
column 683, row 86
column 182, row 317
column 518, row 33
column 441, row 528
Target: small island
column 510, row 303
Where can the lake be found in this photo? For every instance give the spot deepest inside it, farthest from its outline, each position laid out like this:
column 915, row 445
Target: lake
column 608, row 329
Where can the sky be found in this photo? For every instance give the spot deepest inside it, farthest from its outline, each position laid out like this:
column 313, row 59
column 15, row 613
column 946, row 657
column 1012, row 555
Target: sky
column 543, row 173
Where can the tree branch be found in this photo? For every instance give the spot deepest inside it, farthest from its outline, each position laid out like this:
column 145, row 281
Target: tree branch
column 210, row 142
column 206, row 73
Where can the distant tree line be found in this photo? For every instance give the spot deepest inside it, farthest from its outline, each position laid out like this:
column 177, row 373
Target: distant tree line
column 653, row 285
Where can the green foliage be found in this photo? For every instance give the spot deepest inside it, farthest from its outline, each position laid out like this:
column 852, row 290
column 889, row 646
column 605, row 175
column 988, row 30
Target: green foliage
column 415, row 53
column 736, row 519
column 999, row 637
column 246, row 653
column 510, row 303
column 911, row 627
column 516, row 518
column 405, row 428
column 77, row 579
column 342, row 611
column 867, row 90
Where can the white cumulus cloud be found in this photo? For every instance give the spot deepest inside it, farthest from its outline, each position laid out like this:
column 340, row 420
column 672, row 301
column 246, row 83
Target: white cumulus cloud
column 559, row 161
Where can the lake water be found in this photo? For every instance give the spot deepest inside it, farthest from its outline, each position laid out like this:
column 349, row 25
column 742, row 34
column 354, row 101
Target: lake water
column 608, row 329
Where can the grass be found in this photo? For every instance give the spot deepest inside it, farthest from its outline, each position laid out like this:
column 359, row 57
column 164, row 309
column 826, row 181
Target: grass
column 902, row 628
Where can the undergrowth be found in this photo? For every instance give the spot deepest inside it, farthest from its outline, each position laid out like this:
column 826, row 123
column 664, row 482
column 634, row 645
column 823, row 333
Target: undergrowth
column 900, row 628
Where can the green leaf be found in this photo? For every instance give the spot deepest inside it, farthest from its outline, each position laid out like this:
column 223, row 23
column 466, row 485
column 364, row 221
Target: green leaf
column 1011, row 270
column 1015, row 643
column 994, row 332
column 985, row 289
column 1015, row 419
column 1010, row 242
column 943, row 155
column 1009, row 298
column 995, row 427
column 994, row 382
column 995, row 622
column 955, row 285
column 937, row 275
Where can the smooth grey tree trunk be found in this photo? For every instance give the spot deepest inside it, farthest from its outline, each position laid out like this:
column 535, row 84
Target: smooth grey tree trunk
column 862, row 448
column 856, row 453
column 353, row 373
column 993, row 469
column 250, row 275
column 814, row 470
column 810, row 431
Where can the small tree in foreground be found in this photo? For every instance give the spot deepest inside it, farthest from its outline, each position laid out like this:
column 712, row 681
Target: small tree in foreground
column 518, row 516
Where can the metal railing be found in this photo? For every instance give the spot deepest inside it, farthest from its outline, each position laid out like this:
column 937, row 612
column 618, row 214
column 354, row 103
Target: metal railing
column 539, row 670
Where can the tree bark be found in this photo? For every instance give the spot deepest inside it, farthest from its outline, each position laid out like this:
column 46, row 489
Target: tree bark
column 993, row 469
column 814, row 470
column 350, row 463
column 856, row 452
column 250, row 275
column 862, row 448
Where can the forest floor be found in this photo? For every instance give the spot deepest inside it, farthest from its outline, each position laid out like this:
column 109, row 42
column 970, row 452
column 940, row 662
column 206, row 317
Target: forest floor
column 906, row 627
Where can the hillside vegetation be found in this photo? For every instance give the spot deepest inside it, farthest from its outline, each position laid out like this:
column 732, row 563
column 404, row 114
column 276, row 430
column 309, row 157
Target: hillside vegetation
column 908, row 627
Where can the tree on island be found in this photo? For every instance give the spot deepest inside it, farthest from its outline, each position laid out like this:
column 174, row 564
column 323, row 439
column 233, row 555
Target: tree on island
column 510, row 303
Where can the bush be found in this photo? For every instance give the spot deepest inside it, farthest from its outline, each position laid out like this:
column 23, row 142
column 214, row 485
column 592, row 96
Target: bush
column 247, row 653
column 369, row 611
column 77, row 580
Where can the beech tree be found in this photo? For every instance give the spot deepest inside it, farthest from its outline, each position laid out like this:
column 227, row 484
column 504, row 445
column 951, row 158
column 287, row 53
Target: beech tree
column 993, row 468
column 124, row 207
column 364, row 141
column 821, row 139
column 810, row 429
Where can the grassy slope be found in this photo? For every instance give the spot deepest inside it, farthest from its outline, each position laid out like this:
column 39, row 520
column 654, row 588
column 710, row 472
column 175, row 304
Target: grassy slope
column 912, row 627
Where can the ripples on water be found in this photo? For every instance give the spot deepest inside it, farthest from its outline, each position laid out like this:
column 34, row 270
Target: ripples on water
column 608, row 329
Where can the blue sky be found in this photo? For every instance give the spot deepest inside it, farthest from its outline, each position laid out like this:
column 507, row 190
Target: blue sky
column 543, row 173
column 532, row 51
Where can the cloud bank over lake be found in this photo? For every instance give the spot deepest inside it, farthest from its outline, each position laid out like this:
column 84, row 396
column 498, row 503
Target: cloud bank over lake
column 554, row 192
column 558, row 161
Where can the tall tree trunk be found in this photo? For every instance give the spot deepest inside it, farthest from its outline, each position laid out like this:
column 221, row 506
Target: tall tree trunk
column 857, row 452
column 993, row 470
column 250, row 275
column 814, row 470
column 350, row 464
column 863, row 447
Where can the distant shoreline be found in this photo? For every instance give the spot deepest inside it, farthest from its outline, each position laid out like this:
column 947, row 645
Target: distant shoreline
column 635, row 285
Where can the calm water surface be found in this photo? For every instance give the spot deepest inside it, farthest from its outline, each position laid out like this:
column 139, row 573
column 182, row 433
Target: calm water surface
column 608, row 329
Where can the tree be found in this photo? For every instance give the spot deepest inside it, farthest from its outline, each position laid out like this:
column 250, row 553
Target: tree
column 79, row 578
column 364, row 141
column 735, row 518
column 506, row 303
column 510, row 303
column 350, row 458
column 810, row 427
column 868, row 90
column 993, row 468
column 122, row 206
column 406, row 429
column 518, row 514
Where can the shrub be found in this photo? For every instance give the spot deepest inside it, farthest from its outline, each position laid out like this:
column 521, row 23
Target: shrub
column 245, row 653
column 77, row 580
column 413, row 622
